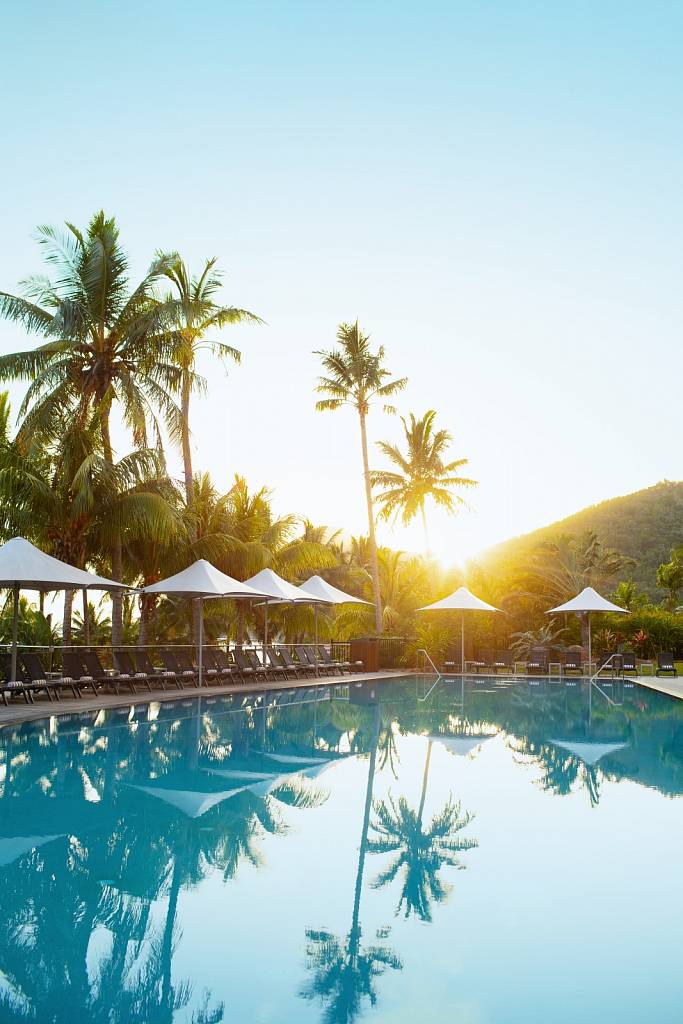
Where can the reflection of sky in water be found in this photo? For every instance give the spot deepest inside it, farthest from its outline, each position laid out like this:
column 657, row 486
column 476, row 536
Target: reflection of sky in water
column 568, row 909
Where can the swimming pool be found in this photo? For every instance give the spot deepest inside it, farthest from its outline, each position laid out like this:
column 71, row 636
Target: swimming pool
column 496, row 852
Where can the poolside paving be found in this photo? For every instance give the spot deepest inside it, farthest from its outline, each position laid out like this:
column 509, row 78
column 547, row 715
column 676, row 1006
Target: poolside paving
column 20, row 712
column 665, row 684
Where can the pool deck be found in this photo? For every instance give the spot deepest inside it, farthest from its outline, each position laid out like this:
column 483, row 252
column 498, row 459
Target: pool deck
column 19, row 712
column 666, row 684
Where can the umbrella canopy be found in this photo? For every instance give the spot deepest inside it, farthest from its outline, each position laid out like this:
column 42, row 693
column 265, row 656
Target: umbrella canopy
column 14, row 847
column 588, row 601
column 319, row 590
column 193, row 803
column 583, row 604
column 277, row 589
column 23, row 566
column 462, row 600
column 590, row 751
column 201, row 580
column 461, row 746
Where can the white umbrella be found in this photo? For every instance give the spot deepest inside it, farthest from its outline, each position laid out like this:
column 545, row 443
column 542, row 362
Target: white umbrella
column 14, row 847
column 278, row 591
column 323, row 592
column 319, row 591
column 23, row 566
column 590, row 751
column 461, row 746
column 203, row 580
column 462, row 600
column 583, row 604
column 193, row 803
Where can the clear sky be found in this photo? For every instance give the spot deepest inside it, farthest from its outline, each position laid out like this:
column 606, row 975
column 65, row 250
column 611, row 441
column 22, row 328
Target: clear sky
column 493, row 188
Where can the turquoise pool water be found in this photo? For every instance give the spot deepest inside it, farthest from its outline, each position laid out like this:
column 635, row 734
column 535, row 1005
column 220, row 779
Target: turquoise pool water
column 494, row 853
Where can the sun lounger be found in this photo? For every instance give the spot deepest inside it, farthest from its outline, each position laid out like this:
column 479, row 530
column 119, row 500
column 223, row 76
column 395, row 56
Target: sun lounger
column 573, row 661
column 629, row 664
column 172, row 664
column 143, row 663
column 537, row 662
column 123, row 663
column 501, row 660
column 34, row 673
column 23, row 686
column 95, row 668
column 339, row 666
column 292, row 666
column 666, row 664
column 220, row 671
column 73, row 667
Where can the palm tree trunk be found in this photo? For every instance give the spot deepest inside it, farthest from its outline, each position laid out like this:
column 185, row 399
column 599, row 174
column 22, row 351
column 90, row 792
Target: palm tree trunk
column 86, row 619
column 189, row 479
column 167, row 940
column 374, row 564
column 185, row 441
column 116, row 550
column 355, row 926
column 424, row 529
column 425, row 779
column 66, row 624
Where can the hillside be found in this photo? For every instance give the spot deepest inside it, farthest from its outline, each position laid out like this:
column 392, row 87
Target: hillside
column 644, row 525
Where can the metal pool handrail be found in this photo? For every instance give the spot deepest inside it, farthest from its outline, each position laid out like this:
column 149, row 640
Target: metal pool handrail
column 426, row 657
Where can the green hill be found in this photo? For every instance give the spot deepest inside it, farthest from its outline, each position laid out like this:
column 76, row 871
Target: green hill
column 644, row 525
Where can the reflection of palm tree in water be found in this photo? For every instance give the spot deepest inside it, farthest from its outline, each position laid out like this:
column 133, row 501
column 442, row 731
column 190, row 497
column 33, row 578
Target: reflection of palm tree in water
column 344, row 971
column 560, row 770
column 421, row 851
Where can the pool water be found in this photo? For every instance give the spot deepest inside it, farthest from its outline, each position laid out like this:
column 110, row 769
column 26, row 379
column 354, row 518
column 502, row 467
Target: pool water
column 487, row 852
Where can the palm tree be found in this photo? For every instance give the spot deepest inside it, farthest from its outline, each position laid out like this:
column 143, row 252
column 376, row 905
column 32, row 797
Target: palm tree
column 563, row 567
column 194, row 313
column 344, row 970
column 420, row 851
column 70, row 497
column 104, row 344
column 355, row 376
column 419, row 474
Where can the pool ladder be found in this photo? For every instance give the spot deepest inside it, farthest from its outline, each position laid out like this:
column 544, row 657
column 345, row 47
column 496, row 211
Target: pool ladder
column 423, row 661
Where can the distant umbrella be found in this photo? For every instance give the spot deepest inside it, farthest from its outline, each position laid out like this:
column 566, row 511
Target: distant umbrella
column 462, row 600
column 583, row 604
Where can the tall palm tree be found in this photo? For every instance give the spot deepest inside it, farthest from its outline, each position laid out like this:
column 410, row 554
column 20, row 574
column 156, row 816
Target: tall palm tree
column 419, row 474
column 344, row 970
column 194, row 312
column 104, row 344
column 357, row 377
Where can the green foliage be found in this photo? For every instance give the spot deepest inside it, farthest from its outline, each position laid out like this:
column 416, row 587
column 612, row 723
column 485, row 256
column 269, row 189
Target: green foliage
column 670, row 576
column 643, row 526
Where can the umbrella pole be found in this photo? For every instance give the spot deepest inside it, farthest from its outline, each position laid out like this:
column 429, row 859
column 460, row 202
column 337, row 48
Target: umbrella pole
column 15, row 631
column 315, row 649
column 462, row 643
column 200, row 653
column 265, row 636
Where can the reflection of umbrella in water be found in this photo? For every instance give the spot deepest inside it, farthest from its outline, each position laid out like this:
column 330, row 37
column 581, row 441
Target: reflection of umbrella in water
column 193, row 803
column 14, row 847
column 461, row 746
column 589, row 751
